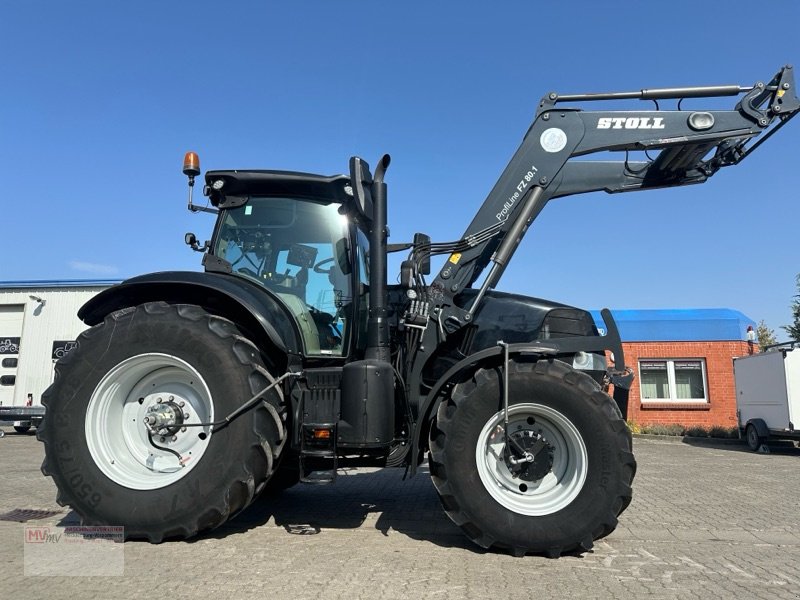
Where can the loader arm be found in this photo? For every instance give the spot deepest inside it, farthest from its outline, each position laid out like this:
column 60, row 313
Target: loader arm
column 683, row 147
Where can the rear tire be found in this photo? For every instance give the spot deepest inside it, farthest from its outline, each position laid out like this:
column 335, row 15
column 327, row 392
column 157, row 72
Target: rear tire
column 22, row 428
column 586, row 483
column 97, row 448
column 286, row 476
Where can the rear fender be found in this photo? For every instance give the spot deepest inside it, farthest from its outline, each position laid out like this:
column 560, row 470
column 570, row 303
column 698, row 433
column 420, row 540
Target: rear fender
column 761, row 427
column 248, row 305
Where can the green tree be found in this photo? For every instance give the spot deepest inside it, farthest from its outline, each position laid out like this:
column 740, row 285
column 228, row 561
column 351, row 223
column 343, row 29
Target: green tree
column 794, row 329
column 765, row 335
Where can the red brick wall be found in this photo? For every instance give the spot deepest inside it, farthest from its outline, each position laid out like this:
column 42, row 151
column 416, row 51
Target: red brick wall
column 720, row 389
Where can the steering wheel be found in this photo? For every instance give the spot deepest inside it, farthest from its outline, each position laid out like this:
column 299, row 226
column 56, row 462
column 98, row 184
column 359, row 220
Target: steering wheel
column 317, row 266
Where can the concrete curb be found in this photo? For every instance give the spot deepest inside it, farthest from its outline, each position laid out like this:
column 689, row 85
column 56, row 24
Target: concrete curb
column 687, row 439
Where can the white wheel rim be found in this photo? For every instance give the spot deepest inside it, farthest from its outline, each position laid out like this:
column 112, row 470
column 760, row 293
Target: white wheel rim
column 116, row 435
column 559, row 487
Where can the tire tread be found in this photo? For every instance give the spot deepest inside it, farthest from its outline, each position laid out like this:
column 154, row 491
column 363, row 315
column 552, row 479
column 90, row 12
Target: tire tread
column 255, row 469
column 553, row 368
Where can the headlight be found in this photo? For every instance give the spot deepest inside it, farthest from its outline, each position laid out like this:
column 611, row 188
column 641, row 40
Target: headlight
column 584, row 361
column 700, row 121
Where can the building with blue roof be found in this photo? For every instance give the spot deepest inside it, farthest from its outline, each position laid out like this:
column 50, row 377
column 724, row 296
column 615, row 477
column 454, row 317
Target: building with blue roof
column 679, row 324
column 682, row 360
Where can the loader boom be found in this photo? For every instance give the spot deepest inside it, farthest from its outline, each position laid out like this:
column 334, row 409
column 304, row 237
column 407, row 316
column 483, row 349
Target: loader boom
column 542, row 167
column 681, row 147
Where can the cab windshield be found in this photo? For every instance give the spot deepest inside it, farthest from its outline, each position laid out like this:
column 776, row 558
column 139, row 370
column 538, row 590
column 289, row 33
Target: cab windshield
column 297, row 249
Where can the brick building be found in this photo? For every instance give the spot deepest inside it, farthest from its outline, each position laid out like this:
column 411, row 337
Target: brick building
column 683, row 364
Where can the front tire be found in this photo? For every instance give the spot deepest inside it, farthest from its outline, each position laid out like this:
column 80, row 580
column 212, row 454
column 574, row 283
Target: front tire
column 140, row 360
column 562, row 501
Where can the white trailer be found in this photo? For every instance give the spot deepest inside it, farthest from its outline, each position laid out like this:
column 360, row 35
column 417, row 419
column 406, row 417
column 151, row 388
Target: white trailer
column 768, row 394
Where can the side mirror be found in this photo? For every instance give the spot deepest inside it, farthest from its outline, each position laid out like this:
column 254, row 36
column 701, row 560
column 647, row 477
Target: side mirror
column 361, row 182
column 190, row 240
column 343, row 256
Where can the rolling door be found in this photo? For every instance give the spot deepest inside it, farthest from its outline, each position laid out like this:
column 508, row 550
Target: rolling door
column 11, row 316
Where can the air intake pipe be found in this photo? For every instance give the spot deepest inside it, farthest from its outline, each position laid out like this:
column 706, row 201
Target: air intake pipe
column 377, row 325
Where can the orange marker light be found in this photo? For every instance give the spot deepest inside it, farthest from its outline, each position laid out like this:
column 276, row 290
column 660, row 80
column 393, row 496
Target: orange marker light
column 191, row 164
column 322, row 434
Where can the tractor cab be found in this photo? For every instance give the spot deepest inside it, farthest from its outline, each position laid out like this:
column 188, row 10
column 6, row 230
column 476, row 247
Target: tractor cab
column 293, row 235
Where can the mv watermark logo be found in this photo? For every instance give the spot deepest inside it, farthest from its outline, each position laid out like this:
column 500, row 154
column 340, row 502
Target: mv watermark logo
column 41, row 535
column 74, row 551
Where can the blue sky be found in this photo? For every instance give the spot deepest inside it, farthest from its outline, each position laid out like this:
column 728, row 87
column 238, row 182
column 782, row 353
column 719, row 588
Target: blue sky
column 101, row 99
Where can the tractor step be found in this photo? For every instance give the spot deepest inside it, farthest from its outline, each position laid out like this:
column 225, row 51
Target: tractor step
column 316, row 476
column 318, row 453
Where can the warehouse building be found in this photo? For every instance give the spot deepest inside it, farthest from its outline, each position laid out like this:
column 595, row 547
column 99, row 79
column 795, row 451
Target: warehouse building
column 37, row 327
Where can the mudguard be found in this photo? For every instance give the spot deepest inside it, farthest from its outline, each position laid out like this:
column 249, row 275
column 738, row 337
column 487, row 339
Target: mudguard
column 245, row 303
column 761, row 427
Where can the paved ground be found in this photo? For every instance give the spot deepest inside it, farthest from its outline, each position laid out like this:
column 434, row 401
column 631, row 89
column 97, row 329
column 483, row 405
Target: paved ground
column 705, row 522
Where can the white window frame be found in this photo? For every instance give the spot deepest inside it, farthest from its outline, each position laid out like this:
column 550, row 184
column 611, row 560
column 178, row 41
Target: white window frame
column 671, row 382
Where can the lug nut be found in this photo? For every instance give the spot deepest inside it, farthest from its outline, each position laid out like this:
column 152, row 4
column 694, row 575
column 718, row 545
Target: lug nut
column 181, row 403
column 183, row 429
column 171, row 398
column 174, row 438
column 163, row 439
column 159, row 400
column 186, row 415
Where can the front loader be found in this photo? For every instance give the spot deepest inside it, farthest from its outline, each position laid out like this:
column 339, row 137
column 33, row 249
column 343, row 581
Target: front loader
column 290, row 357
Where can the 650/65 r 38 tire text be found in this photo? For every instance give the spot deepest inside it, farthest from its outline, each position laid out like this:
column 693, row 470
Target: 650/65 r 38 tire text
column 566, row 475
column 174, row 365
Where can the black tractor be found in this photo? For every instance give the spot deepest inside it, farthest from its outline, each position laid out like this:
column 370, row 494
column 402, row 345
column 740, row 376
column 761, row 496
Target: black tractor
column 290, row 357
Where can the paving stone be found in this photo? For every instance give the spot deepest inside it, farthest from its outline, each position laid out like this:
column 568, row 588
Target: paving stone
column 704, row 522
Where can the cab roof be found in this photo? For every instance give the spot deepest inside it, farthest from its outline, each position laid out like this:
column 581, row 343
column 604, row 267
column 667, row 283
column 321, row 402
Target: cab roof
column 276, row 183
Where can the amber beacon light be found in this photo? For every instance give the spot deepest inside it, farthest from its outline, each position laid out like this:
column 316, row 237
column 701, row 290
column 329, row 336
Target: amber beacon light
column 191, row 165
column 191, row 168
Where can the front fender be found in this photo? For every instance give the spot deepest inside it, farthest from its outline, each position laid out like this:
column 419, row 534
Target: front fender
column 245, row 303
column 553, row 347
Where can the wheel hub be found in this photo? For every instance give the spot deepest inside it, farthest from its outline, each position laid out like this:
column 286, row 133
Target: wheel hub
column 165, row 418
column 528, row 455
